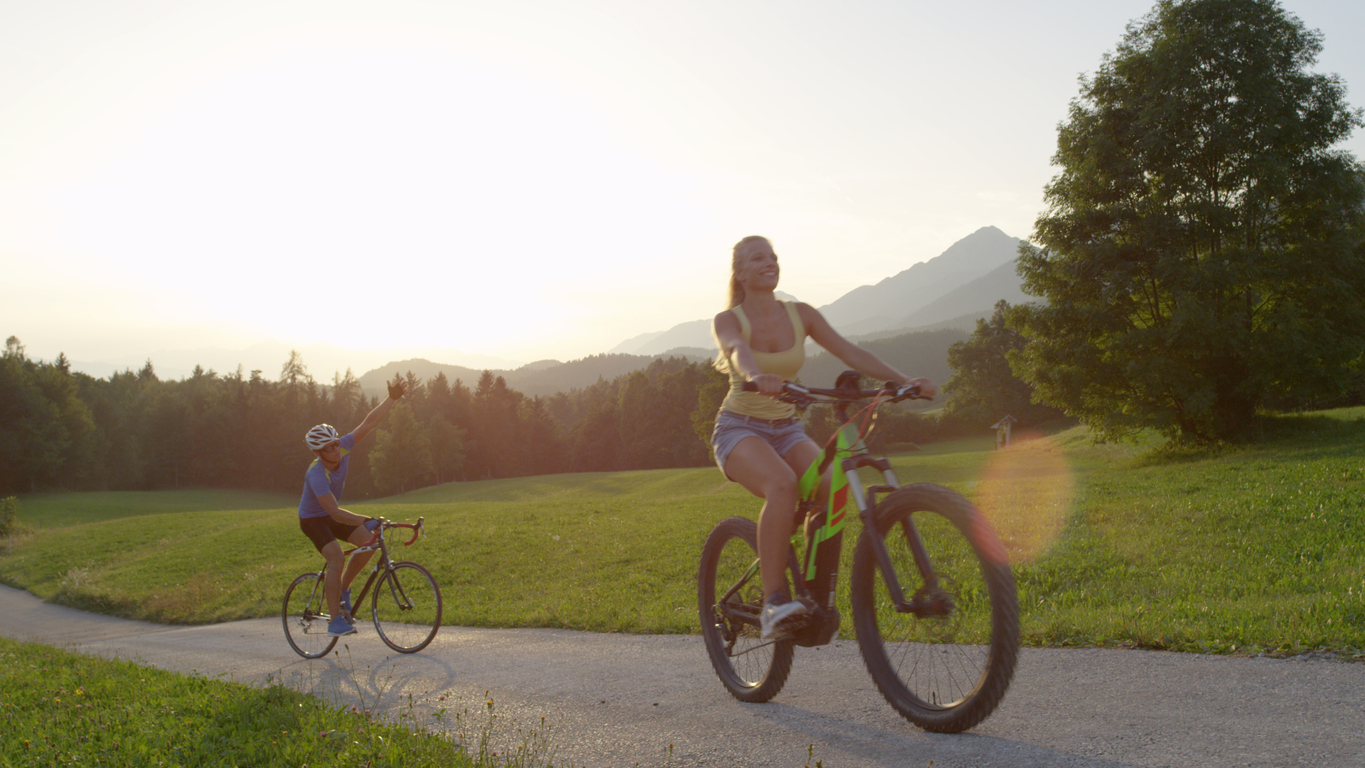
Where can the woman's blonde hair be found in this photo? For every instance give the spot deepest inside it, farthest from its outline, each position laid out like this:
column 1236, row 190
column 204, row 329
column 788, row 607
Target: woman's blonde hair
column 736, row 292
column 736, row 296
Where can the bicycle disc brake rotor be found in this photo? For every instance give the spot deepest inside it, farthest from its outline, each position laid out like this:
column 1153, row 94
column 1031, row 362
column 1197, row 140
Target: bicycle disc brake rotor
column 936, row 607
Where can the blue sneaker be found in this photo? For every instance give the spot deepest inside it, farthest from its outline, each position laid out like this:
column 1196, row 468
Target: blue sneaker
column 340, row 627
column 346, row 601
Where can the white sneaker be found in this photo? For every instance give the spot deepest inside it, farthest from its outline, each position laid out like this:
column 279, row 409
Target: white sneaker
column 774, row 614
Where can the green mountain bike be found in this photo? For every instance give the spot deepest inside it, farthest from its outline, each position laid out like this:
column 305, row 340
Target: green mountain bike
column 934, row 603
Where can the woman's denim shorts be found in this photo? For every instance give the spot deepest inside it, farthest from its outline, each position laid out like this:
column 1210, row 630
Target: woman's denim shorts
column 782, row 434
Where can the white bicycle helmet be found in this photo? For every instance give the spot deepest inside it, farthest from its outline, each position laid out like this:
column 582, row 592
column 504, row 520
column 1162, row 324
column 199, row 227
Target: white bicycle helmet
column 321, row 436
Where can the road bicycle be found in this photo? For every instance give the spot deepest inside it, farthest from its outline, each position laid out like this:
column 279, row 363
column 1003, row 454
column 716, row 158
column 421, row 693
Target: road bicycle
column 406, row 605
column 934, row 603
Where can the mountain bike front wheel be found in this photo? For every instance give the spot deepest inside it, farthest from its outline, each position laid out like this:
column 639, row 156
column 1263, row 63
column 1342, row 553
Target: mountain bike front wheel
column 945, row 664
column 407, row 607
column 305, row 617
column 729, row 599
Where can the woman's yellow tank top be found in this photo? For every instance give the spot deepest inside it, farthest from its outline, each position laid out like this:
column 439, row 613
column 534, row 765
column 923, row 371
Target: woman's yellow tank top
column 786, row 364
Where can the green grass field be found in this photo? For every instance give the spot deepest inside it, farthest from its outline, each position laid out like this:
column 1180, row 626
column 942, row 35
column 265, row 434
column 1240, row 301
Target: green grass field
column 64, row 708
column 1233, row 549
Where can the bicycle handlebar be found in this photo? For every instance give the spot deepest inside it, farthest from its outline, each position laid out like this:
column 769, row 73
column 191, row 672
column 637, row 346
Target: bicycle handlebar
column 802, row 395
column 417, row 530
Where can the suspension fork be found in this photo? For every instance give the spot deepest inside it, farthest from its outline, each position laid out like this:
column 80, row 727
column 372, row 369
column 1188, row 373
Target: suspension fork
column 867, row 507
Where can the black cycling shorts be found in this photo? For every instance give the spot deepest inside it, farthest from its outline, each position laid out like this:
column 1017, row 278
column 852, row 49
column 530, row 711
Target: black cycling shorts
column 324, row 530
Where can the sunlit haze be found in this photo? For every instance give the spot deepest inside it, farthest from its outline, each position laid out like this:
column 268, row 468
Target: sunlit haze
column 510, row 181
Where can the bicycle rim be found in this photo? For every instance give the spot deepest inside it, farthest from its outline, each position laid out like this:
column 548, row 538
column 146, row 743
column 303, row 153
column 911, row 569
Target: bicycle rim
column 305, row 617
column 407, row 607
column 948, row 671
column 750, row 669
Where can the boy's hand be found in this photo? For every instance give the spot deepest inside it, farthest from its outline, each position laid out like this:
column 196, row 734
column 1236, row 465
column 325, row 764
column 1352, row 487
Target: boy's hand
column 397, row 388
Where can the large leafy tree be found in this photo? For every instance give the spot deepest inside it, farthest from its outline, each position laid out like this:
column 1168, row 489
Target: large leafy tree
column 983, row 388
column 1201, row 248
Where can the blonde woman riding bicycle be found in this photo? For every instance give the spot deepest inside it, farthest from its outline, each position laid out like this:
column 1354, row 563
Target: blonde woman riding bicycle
column 759, row 442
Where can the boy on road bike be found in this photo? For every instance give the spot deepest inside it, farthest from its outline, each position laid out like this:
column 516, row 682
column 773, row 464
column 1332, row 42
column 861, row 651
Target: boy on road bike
column 759, row 442
column 321, row 517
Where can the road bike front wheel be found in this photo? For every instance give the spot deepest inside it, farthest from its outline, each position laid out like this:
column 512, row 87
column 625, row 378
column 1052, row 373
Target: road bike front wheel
column 945, row 665
column 729, row 599
column 407, row 607
column 305, row 617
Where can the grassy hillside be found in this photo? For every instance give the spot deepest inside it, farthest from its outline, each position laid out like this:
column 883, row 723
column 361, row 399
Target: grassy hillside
column 1237, row 549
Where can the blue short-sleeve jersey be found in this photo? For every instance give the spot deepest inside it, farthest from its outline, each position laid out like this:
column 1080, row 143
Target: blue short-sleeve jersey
column 319, row 481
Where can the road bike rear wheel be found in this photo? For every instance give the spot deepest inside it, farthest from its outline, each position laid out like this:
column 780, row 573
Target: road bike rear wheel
column 750, row 669
column 305, row 617
column 407, row 607
column 944, row 667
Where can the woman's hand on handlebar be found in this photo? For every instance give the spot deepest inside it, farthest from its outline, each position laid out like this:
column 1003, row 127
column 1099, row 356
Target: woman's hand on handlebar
column 769, row 384
column 920, row 388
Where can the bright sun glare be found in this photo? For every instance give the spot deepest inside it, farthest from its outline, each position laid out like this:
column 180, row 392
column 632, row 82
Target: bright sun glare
column 305, row 180
column 1026, row 493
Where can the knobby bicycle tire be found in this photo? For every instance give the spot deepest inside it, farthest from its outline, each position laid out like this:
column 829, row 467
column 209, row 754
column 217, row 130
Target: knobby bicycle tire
column 407, row 607
column 750, row 669
column 305, row 617
column 947, row 671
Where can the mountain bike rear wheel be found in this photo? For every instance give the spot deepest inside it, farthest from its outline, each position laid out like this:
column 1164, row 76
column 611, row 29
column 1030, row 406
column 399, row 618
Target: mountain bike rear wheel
column 305, row 617
column 407, row 607
column 729, row 599
column 946, row 665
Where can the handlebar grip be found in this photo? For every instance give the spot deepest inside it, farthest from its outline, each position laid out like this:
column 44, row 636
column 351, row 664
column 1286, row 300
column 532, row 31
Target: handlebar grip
column 416, row 531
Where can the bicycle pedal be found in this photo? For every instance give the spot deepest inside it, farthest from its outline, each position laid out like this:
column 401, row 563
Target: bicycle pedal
column 780, row 634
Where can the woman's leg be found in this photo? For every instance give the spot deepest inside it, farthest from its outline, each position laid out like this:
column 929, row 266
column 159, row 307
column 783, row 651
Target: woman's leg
column 756, row 466
column 799, row 458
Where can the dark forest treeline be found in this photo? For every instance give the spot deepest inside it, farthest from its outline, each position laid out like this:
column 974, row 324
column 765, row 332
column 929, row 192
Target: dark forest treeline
column 65, row 430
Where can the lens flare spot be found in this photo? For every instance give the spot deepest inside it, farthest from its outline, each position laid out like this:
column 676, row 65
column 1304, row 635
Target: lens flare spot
column 1026, row 491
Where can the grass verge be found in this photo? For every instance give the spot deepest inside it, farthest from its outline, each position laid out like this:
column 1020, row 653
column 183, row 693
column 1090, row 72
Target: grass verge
column 63, row 708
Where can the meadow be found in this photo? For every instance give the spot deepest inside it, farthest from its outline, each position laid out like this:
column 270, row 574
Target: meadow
column 1258, row 548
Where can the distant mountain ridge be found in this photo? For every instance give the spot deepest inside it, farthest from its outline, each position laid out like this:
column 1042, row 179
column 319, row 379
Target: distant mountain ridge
column 691, row 334
column 268, row 356
column 955, row 287
column 948, row 292
column 544, row 377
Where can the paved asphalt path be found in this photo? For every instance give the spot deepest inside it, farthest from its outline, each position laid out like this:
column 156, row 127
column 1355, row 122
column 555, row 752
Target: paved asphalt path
column 622, row 700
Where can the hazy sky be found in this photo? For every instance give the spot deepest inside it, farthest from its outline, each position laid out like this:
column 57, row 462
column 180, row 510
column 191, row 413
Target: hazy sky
column 518, row 179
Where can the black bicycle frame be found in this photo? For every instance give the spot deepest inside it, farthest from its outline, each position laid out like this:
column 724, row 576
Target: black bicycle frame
column 385, row 564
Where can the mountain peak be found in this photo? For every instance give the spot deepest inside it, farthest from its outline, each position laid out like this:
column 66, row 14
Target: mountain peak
column 972, row 257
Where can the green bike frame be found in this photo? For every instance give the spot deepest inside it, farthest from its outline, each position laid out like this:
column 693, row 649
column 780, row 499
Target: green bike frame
column 848, row 451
